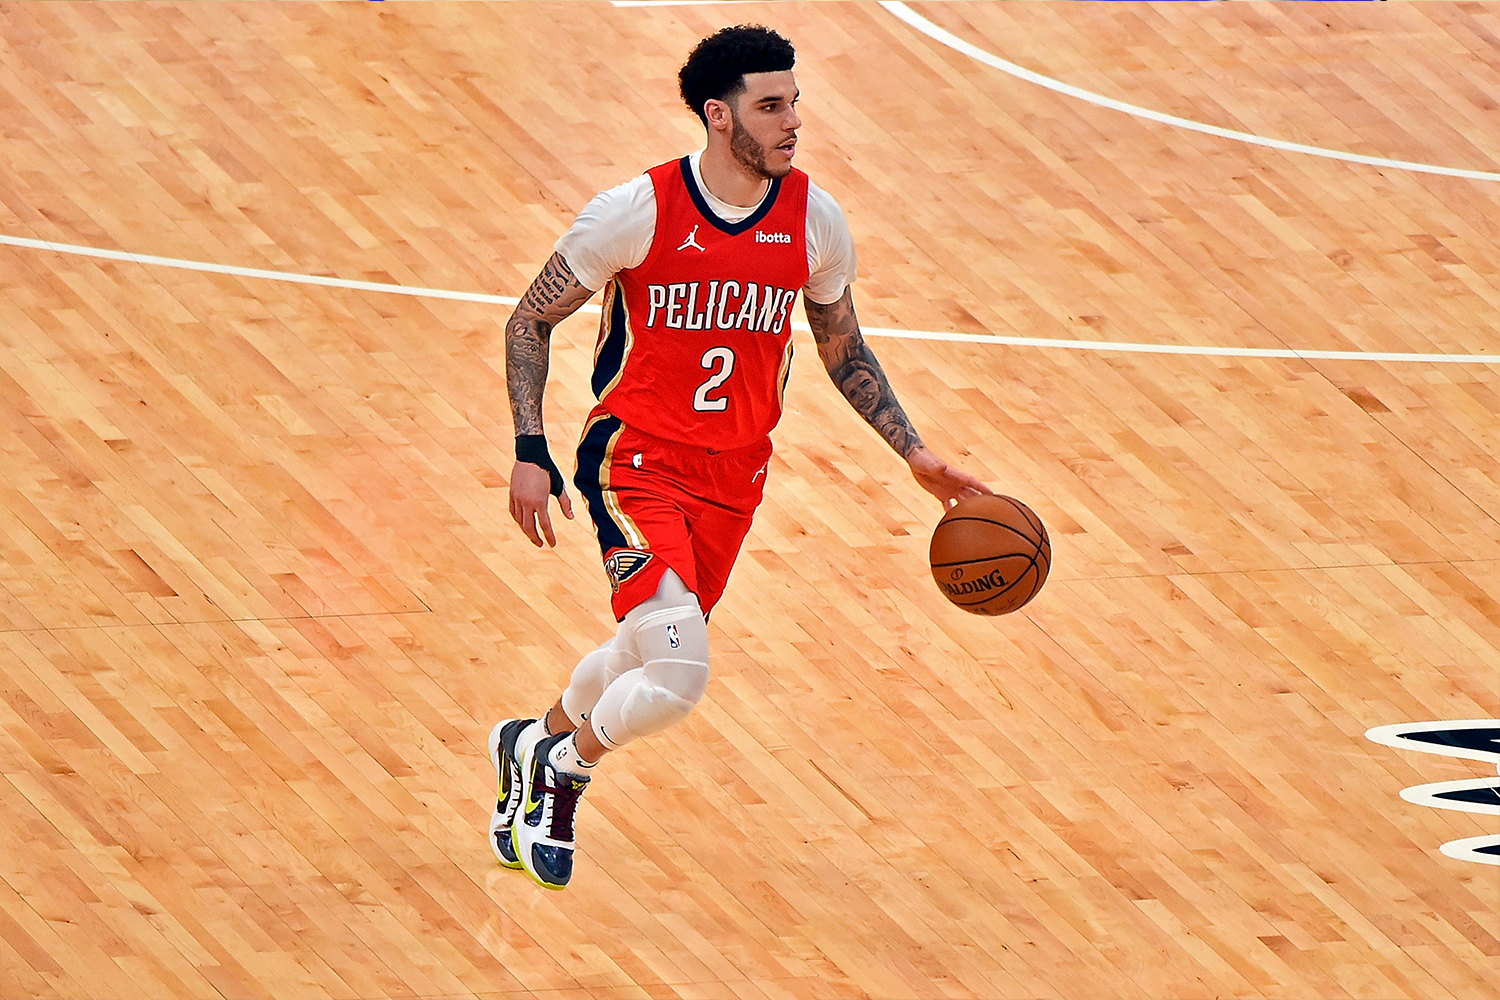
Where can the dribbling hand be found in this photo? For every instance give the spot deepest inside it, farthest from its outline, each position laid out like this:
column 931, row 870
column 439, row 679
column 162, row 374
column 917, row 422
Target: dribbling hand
column 946, row 482
column 530, row 486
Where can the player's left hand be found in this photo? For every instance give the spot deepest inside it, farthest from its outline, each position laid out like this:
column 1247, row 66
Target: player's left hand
column 947, row 483
column 530, row 490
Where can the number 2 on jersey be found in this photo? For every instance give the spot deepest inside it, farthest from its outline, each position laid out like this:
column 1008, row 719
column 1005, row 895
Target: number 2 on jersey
column 711, row 357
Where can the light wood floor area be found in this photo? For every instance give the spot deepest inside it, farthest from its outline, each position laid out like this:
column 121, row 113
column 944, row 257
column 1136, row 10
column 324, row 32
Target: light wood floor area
column 261, row 601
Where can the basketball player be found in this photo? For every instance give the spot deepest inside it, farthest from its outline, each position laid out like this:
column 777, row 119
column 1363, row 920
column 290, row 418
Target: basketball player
column 701, row 259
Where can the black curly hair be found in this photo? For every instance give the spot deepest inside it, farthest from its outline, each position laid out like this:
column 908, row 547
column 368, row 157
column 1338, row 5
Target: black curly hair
column 716, row 68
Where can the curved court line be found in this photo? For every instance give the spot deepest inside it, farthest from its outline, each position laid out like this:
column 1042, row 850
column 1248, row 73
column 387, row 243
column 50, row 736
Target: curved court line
column 872, row 331
column 911, row 17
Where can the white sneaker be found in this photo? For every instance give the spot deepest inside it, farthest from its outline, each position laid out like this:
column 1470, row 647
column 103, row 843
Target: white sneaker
column 504, row 755
column 542, row 831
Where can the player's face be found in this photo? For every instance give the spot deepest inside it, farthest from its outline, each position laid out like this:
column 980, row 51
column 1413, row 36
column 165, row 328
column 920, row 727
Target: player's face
column 764, row 139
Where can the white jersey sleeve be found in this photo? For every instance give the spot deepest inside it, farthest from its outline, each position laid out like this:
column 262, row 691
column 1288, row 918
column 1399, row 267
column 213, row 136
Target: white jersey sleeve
column 613, row 232
column 830, row 248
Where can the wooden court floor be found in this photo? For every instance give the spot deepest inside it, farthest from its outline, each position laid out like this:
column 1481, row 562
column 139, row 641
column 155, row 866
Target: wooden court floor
column 261, row 601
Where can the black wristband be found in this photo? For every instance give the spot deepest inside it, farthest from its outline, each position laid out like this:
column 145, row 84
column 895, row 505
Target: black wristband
column 532, row 448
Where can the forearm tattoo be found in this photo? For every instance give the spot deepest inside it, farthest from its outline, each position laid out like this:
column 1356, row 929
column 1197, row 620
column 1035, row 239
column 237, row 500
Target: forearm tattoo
column 853, row 367
column 552, row 297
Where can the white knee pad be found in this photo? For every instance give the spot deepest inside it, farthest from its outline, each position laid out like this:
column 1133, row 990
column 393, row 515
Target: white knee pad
column 671, row 639
column 596, row 671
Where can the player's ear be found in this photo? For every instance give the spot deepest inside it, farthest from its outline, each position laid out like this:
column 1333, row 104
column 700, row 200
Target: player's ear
column 719, row 114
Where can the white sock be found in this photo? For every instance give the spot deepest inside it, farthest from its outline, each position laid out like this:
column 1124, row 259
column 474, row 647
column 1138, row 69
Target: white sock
column 529, row 735
column 564, row 757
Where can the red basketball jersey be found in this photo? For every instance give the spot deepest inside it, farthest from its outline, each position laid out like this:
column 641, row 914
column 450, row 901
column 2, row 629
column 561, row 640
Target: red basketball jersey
column 696, row 342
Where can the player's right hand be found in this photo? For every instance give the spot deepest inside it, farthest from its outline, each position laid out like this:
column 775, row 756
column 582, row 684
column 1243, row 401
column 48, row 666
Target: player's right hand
column 948, row 483
column 530, row 486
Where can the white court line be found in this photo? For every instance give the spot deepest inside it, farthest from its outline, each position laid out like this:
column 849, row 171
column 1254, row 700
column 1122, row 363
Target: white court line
column 253, row 272
column 872, row 331
column 911, row 17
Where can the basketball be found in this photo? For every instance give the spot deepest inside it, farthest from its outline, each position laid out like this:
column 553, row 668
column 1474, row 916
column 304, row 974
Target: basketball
column 990, row 554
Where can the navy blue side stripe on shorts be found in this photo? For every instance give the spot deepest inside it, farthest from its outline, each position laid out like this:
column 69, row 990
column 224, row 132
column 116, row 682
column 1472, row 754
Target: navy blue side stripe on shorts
column 594, row 455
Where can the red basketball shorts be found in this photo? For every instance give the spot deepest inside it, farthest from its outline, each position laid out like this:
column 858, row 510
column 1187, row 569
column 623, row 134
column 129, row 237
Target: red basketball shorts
column 660, row 505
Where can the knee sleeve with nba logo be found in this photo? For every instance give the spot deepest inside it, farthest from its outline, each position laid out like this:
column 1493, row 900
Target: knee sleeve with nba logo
column 596, row 671
column 671, row 639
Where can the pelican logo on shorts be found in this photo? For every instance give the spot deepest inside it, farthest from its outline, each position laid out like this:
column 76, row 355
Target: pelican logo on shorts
column 624, row 564
column 1475, row 739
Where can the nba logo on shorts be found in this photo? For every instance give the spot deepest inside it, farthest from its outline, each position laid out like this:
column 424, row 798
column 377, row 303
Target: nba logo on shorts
column 623, row 564
column 672, row 637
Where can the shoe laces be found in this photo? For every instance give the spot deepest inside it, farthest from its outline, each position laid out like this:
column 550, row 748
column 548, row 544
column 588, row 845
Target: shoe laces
column 564, row 805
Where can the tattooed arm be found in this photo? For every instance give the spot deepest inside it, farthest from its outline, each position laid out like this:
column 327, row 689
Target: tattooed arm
column 854, row 369
column 552, row 297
